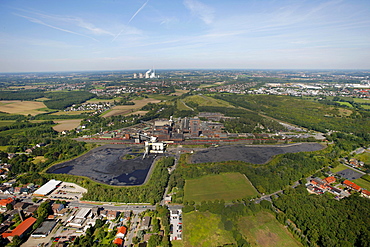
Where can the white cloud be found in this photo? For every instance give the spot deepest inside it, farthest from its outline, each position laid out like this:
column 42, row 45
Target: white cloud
column 202, row 11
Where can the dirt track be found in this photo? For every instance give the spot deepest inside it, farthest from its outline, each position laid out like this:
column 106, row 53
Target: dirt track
column 252, row 154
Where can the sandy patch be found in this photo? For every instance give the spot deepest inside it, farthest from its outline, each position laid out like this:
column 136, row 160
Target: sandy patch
column 66, row 124
column 126, row 109
column 22, row 107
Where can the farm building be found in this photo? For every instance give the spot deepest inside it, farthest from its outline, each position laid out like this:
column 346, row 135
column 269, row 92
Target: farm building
column 47, row 188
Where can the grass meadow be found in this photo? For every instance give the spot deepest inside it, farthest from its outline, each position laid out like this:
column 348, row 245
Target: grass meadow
column 203, row 100
column 362, row 183
column 227, row 186
column 203, row 229
column 262, row 229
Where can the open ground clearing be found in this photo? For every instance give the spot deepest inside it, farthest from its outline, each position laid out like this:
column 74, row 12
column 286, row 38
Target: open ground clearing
column 126, row 109
column 202, row 100
column 227, row 186
column 204, row 229
column 264, row 230
column 22, row 107
column 256, row 154
column 38, row 159
column 95, row 100
column 364, row 157
column 69, row 124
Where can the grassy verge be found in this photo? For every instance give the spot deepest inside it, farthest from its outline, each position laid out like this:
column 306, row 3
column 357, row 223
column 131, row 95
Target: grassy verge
column 227, row 186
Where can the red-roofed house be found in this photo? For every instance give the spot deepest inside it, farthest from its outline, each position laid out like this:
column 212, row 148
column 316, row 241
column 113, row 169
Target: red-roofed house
column 21, row 229
column 4, row 202
column 118, row 242
column 121, row 232
column 352, row 185
column 365, row 193
column 329, row 180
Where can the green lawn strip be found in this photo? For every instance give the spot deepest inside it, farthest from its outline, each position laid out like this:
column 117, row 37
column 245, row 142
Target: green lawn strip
column 344, row 103
column 339, row 168
column 203, row 229
column 263, row 229
column 6, row 123
column 227, row 186
column 177, row 243
column 362, row 183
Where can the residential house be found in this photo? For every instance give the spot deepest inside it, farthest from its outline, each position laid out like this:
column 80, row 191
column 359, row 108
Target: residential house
column 4, row 202
column 145, row 223
column 57, row 208
column 121, row 232
column 118, row 242
column 112, row 214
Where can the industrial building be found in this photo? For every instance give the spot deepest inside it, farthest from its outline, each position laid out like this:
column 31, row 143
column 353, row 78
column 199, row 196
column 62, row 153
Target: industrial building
column 44, row 229
column 47, row 188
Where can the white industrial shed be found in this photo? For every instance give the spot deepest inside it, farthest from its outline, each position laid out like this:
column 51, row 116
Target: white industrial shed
column 47, row 188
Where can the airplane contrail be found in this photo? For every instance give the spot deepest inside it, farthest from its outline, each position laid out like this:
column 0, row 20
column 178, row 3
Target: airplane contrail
column 132, row 17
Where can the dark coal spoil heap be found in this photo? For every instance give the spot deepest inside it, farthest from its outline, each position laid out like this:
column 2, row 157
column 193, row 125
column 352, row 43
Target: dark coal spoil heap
column 105, row 164
column 259, row 154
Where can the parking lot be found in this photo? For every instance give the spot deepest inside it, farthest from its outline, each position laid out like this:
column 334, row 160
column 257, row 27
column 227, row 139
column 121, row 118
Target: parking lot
column 68, row 191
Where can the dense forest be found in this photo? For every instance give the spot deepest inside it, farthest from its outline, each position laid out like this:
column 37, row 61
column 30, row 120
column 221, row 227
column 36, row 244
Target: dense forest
column 56, row 100
column 324, row 220
column 308, row 114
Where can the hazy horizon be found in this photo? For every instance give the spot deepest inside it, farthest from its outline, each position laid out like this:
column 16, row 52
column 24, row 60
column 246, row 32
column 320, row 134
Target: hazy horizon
column 101, row 35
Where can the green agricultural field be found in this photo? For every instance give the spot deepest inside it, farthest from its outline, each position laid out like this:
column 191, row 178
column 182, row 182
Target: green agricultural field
column 203, row 100
column 362, row 183
column 227, row 186
column 359, row 100
column 263, row 229
column 367, row 107
column 204, row 229
column 6, row 123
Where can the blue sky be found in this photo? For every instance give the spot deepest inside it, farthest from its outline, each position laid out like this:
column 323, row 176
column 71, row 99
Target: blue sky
column 51, row 35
